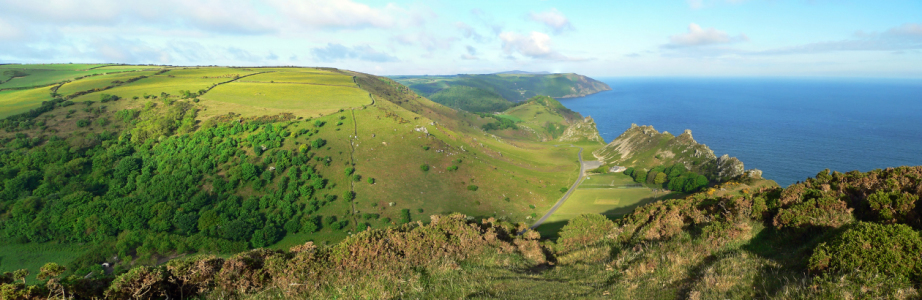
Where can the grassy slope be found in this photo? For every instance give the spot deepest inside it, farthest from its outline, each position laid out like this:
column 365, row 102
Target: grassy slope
column 526, row 172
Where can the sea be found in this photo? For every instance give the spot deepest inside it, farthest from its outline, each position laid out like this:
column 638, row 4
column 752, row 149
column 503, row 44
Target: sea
column 790, row 128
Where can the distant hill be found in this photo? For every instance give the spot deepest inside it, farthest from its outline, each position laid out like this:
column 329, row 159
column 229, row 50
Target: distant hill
column 497, row 92
column 518, row 72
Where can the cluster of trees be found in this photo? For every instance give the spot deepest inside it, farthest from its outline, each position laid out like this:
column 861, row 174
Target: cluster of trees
column 675, row 177
column 148, row 190
column 499, row 124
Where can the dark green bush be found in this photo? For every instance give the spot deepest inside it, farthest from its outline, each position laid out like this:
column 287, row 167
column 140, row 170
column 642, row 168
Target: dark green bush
column 893, row 249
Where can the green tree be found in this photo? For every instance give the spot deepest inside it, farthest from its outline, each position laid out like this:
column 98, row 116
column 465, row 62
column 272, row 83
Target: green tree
column 424, row 167
column 21, row 274
column 659, row 178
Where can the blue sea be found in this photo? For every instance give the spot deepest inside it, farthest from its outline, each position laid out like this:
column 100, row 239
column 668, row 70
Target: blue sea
column 790, row 128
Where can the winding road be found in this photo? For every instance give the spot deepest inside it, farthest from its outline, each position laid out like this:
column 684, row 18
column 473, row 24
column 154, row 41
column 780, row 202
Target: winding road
column 565, row 196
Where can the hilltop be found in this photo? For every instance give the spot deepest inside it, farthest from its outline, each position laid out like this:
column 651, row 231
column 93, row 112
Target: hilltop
column 498, row 92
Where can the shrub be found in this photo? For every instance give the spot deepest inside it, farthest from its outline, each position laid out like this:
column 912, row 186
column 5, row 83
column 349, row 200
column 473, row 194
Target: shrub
column 356, row 177
column 426, row 148
column 419, row 210
column 563, row 190
column 404, row 216
column 452, row 168
column 318, row 143
column 424, row 167
column 371, row 180
column 386, row 220
column 472, row 188
column 348, row 195
column 83, row 123
column 583, row 231
column 319, row 123
column 892, row 249
column 349, row 171
column 369, row 216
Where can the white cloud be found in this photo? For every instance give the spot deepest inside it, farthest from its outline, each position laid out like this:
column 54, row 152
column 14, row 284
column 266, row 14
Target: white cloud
column 906, row 30
column 697, row 36
column 338, row 52
column 535, row 45
column 553, row 19
column 898, row 39
column 337, row 14
column 7, row 31
column 425, row 40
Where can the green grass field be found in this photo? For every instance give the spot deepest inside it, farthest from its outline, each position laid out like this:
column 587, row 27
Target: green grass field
column 604, row 194
column 272, row 98
column 100, row 81
column 15, row 102
column 327, row 78
column 33, row 256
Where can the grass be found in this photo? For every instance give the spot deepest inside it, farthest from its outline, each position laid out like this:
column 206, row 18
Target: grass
column 272, row 98
column 15, row 102
column 607, row 194
column 33, row 256
column 327, row 78
column 100, row 81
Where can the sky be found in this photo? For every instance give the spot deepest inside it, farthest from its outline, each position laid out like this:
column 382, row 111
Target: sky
column 727, row 38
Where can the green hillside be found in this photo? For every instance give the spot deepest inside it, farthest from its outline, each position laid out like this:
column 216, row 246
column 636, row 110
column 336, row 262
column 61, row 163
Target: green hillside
column 482, row 93
column 151, row 165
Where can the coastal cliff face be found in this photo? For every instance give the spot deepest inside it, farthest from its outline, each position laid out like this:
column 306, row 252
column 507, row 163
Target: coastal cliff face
column 644, row 147
column 583, row 130
column 583, row 86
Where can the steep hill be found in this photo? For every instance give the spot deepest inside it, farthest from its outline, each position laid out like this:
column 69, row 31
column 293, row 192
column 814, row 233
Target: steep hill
column 643, row 147
column 484, row 92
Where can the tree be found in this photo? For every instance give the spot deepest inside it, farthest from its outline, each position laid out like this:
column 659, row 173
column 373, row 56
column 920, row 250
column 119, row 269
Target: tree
column 659, row 178
column 404, row 216
column 424, row 167
column 21, row 274
column 356, row 177
column 371, row 180
column 318, row 143
column 349, row 171
column 348, row 195
column 50, row 270
column 640, row 176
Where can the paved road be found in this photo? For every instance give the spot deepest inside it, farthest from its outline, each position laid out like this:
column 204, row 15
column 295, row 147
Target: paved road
column 565, row 196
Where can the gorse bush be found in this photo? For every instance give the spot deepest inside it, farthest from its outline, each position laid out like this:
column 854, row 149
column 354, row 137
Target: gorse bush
column 892, row 249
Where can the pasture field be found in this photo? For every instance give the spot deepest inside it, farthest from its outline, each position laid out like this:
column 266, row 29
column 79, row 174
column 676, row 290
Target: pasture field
column 46, row 77
column 33, row 256
column 272, row 98
column 613, row 202
column 53, row 67
column 154, row 85
column 16, row 102
column 100, row 81
column 219, row 72
column 303, row 77
column 607, row 180
column 124, row 68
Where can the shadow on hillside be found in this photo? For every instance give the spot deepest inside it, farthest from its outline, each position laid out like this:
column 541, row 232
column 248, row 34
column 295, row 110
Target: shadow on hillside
column 551, row 230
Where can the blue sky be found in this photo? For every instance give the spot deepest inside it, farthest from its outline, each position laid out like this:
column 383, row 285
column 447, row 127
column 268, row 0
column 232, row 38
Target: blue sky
column 597, row 38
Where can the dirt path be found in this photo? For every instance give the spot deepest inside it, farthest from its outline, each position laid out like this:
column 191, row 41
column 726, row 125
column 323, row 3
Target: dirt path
column 582, row 170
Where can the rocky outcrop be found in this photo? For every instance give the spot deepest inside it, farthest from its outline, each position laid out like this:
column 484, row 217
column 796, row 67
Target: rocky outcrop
column 583, row 130
column 643, row 147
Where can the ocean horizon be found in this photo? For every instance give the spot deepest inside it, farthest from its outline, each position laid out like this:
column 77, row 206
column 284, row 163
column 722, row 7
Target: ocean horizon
column 790, row 128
